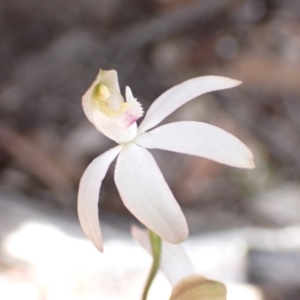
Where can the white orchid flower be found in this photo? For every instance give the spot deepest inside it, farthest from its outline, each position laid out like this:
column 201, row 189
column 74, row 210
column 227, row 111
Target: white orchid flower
column 139, row 180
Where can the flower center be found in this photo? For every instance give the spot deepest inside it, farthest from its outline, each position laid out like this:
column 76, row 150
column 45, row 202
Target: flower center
column 108, row 100
column 101, row 93
column 111, row 103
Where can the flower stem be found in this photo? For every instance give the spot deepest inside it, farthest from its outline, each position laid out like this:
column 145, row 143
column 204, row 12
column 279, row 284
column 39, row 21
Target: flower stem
column 155, row 241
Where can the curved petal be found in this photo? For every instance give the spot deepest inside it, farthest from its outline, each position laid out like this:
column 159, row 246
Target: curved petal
column 113, row 129
column 88, row 195
column 174, row 262
column 180, row 94
column 199, row 139
column 146, row 194
column 110, row 79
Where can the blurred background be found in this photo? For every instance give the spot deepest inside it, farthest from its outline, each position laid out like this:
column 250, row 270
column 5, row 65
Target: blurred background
column 245, row 224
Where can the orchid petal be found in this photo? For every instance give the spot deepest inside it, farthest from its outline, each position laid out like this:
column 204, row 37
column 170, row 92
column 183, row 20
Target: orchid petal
column 109, row 79
column 129, row 96
column 88, row 195
column 174, row 262
column 199, row 139
column 114, row 129
column 180, row 94
column 146, row 194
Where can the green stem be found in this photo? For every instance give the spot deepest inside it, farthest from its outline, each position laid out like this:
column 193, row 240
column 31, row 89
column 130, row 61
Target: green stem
column 155, row 241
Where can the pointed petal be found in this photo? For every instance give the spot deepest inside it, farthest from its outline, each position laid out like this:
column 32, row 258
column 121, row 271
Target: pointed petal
column 196, row 287
column 174, row 262
column 180, row 94
column 88, row 195
column 199, row 139
column 146, row 194
column 114, row 129
column 129, row 95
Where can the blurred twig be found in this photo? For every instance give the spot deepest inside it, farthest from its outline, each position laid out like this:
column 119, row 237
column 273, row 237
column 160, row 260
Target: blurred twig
column 171, row 23
column 37, row 162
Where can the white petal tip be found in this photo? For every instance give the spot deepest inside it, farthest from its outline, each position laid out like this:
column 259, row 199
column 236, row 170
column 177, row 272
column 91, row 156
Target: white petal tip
column 98, row 243
column 179, row 237
column 99, row 248
column 129, row 96
column 244, row 163
column 249, row 161
column 224, row 82
column 232, row 82
column 251, row 165
column 237, row 82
